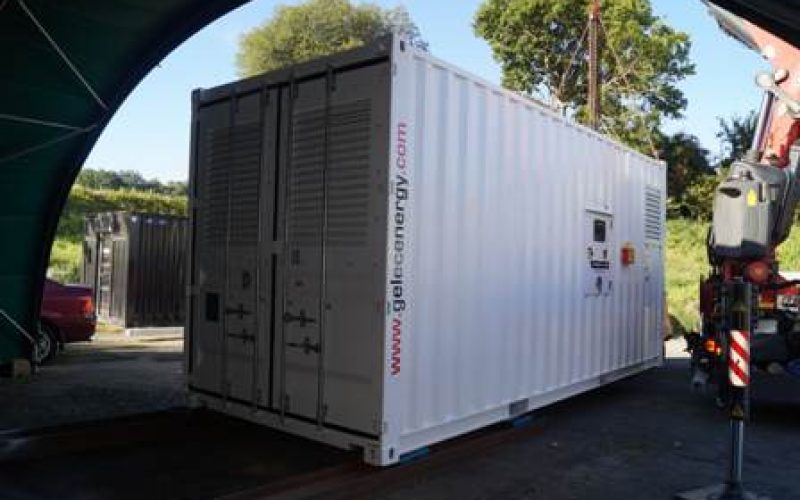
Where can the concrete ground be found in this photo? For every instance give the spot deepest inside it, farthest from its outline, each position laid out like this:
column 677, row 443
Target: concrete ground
column 646, row 437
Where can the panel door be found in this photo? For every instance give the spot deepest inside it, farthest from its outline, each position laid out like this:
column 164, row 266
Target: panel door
column 233, row 167
column 303, row 251
column 335, row 235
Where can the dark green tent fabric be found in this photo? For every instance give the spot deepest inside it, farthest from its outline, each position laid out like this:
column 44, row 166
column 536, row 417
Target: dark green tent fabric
column 65, row 67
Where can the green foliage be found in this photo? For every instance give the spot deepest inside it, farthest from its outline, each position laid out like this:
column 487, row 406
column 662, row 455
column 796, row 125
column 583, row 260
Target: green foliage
column 65, row 254
column 686, row 264
column 687, row 163
column 127, row 179
column 689, row 185
column 537, row 42
column 65, row 258
column 788, row 252
column 698, row 199
column 83, row 201
column 317, row 28
column 736, row 135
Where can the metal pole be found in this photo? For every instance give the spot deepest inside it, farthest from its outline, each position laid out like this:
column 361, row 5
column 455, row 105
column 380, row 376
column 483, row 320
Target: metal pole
column 737, row 455
column 764, row 118
column 739, row 379
column 739, row 322
column 594, row 69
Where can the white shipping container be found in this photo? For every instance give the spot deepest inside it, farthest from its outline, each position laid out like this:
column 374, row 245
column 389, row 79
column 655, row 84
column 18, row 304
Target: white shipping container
column 388, row 252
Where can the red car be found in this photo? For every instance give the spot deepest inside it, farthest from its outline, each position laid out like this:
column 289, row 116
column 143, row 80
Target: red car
column 68, row 315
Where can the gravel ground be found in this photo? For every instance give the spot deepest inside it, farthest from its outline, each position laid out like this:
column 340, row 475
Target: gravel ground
column 110, row 376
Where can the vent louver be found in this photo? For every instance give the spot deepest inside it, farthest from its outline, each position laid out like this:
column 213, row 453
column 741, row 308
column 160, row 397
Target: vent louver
column 652, row 214
column 234, row 162
column 347, row 175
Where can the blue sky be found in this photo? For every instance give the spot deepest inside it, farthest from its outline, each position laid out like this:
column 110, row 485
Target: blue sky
column 150, row 133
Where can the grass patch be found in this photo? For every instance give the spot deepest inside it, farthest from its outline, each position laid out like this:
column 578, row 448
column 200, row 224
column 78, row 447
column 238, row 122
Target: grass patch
column 686, row 264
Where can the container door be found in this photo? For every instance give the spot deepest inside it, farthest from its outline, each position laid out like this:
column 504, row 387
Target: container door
column 227, row 335
column 332, row 309
column 303, row 251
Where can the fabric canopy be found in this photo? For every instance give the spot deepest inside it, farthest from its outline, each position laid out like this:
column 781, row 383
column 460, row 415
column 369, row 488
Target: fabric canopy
column 65, row 68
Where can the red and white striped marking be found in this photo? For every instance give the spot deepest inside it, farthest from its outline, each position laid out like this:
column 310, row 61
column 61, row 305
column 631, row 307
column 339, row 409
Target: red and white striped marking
column 739, row 360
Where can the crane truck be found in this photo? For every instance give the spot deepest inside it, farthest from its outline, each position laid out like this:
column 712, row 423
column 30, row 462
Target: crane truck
column 750, row 312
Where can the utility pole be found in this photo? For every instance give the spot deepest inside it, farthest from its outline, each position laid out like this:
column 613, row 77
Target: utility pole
column 594, row 68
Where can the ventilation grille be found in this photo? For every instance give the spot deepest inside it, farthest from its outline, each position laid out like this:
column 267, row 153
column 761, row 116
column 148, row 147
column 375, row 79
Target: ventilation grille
column 234, row 162
column 347, row 176
column 652, row 214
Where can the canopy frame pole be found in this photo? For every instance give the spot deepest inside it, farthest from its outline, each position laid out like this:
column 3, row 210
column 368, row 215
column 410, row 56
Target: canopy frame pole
column 37, row 121
column 61, row 54
column 46, row 144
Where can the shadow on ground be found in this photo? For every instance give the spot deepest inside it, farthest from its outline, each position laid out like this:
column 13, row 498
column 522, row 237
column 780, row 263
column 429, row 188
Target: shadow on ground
column 646, row 437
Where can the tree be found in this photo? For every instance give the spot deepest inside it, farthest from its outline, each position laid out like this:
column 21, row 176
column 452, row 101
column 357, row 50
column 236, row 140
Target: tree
column 697, row 201
column 128, row 179
column 317, row 28
column 687, row 162
column 736, row 135
column 539, row 45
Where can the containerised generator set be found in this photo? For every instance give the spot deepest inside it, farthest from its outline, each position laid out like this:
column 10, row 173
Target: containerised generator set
column 387, row 252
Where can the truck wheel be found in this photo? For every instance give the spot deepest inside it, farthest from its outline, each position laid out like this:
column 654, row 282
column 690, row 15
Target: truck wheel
column 46, row 345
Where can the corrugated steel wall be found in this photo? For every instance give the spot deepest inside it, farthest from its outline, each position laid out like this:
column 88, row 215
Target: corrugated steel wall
column 496, row 259
column 147, row 267
column 157, row 260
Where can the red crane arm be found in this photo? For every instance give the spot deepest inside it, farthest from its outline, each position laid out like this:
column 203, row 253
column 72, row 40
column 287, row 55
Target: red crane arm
column 782, row 125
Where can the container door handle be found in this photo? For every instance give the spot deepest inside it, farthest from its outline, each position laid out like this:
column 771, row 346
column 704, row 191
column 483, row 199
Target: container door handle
column 239, row 311
column 301, row 318
column 306, row 345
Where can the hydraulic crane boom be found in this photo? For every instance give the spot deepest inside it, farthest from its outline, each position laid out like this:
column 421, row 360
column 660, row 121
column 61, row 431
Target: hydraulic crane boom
column 753, row 214
column 750, row 313
column 779, row 126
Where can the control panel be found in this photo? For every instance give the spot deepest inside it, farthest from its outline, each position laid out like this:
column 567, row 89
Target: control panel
column 599, row 255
